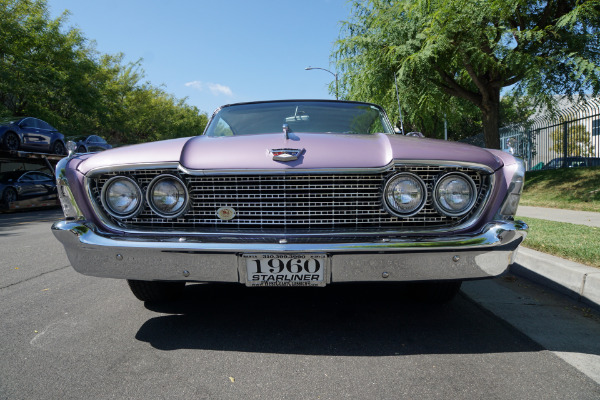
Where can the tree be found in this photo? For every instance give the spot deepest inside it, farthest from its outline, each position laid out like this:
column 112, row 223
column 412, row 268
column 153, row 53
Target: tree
column 56, row 74
column 446, row 53
column 578, row 141
column 136, row 111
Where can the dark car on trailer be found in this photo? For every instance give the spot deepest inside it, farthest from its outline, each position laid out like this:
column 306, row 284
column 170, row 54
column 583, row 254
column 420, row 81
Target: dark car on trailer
column 31, row 134
column 90, row 144
column 26, row 185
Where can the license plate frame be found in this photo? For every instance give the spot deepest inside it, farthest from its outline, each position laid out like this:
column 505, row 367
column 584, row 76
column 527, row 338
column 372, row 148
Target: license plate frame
column 286, row 270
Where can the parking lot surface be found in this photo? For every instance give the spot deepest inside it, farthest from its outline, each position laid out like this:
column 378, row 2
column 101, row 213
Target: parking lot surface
column 65, row 335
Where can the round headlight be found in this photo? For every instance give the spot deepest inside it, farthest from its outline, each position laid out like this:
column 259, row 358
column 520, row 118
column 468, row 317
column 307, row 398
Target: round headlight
column 121, row 197
column 167, row 196
column 405, row 194
column 454, row 194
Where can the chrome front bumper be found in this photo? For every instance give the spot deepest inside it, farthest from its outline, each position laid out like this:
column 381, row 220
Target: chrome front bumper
column 482, row 255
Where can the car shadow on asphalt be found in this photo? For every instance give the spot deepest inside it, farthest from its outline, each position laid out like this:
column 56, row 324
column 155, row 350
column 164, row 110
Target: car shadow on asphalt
column 340, row 320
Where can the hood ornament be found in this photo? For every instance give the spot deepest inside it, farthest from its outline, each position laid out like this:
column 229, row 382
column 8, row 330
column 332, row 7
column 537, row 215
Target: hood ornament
column 286, row 154
column 286, row 131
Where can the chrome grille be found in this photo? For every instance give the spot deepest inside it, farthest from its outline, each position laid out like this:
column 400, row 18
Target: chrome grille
column 292, row 202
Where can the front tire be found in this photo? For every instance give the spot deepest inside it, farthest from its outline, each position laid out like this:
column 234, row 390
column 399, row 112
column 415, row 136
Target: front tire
column 81, row 149
column 156, row 291
column 11, row 141
column 9, row 196
column 59, row 148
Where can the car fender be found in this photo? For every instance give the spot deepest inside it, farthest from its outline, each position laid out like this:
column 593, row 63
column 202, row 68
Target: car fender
column 6, row 132
column 8, row 186
column 57, row 140
column 16, row 132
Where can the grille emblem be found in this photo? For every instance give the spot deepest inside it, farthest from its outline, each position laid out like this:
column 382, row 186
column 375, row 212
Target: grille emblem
column 286, row 154
column 226, row 213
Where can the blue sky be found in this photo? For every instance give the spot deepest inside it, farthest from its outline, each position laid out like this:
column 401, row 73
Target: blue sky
column 218, row 52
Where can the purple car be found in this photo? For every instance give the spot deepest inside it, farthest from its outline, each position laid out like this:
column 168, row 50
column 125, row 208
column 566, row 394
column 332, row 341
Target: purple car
column 292, row 193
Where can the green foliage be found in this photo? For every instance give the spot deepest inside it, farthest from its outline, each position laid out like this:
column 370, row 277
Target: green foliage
column 579, row 141
column 56, row 74
column 516, row 110
column 453, row 57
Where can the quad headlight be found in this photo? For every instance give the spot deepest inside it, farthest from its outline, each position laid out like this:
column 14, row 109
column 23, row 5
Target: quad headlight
column 454, row 194
column 121, row 197
column 167, row 196
column 405, row 194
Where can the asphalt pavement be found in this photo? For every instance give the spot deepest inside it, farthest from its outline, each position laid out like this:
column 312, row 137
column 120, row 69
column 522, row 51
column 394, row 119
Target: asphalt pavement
column 68, row 336
column 579, row 281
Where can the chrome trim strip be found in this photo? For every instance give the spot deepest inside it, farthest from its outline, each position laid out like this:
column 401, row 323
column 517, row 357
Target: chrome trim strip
column 375, row 170
column 132, row 167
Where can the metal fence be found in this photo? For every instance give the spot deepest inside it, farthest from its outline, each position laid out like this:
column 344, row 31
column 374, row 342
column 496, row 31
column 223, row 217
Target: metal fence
column 571, row 138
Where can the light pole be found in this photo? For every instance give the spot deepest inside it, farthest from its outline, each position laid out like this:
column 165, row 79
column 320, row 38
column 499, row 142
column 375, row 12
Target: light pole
column 335, row 75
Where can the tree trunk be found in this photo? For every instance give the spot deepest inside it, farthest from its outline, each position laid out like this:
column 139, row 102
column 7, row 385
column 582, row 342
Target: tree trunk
column 491, row 119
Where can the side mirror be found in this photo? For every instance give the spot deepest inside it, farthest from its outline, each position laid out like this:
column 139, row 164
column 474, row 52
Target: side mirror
column 397, row 131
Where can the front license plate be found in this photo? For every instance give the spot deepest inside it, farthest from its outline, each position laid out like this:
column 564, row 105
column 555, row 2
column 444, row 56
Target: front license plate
column 286, row 270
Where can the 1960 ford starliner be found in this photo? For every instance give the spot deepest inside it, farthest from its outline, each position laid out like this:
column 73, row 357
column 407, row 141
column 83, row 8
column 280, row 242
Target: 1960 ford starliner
column 291, row 193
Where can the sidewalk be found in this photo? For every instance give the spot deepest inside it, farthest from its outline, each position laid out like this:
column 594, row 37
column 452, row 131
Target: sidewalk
column 554, row 214
column 576, row 280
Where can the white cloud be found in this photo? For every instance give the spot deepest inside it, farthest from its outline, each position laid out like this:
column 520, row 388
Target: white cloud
column 195, row 84
column 215, row 88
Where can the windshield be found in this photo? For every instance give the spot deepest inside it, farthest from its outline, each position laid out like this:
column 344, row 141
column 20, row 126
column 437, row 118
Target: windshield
column 299, row 116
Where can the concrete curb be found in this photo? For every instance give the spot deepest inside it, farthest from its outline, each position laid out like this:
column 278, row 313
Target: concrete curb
column 576, row 280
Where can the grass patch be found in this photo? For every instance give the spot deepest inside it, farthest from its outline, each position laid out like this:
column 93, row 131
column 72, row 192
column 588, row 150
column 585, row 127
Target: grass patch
column 579, row 243
column 568, row 188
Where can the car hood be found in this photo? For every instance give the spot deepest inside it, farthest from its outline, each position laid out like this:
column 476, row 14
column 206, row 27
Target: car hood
column 323, row 151
column 319, row 151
